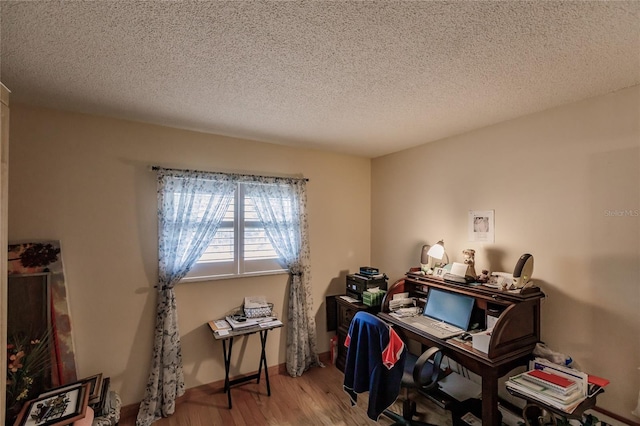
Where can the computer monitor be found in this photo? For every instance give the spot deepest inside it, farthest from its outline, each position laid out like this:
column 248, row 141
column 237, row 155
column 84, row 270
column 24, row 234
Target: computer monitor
column 452, row 308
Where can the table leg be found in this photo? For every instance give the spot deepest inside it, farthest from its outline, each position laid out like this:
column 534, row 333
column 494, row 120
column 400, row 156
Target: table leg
column 490, row 412
column 227, row 367
column 263, row 361
column 226, row 351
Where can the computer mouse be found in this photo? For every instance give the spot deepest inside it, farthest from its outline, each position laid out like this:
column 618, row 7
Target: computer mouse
column 465, row 336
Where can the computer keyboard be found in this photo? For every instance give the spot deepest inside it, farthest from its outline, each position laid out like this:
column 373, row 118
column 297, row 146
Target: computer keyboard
column 442, row 326
column 436, row 329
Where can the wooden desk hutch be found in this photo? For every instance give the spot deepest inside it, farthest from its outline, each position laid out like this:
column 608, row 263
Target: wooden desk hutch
column 515, row 333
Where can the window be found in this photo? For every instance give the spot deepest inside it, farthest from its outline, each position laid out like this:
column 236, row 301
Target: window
column 240, row 247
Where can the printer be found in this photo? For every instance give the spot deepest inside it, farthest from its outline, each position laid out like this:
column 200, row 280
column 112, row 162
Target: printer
column 359, row 283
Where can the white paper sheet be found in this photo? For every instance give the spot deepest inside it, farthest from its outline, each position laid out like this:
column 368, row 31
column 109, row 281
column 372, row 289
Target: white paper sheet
column 459, row 269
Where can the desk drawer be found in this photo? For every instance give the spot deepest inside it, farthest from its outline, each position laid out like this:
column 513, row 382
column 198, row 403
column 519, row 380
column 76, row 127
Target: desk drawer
column 346, row 314
column 346, row 311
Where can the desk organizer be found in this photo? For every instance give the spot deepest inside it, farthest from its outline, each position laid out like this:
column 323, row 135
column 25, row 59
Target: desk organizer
column 259, row 312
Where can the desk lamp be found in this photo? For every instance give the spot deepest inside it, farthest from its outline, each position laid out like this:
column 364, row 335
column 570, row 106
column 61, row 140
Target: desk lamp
column 426, row 268
column 438, row 252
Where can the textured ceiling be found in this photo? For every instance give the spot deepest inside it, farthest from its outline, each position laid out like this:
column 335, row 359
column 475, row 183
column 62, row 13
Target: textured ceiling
column 366, row 78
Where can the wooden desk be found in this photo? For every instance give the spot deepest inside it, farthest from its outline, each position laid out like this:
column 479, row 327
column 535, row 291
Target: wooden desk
column 227, row 355
column 515, row 333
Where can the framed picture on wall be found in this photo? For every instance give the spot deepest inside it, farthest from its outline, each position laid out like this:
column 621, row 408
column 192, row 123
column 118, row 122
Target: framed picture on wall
column 481, row 226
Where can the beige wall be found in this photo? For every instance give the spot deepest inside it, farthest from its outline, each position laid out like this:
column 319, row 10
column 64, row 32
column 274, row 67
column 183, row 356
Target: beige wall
column 85, row 181
column 550, row 177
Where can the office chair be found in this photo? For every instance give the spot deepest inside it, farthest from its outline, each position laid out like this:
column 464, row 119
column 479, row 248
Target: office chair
column 378, row 362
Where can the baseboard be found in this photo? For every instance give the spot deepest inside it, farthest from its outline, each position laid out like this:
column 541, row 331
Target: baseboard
column 130, row 412
column 325, row 357
column 613, row 416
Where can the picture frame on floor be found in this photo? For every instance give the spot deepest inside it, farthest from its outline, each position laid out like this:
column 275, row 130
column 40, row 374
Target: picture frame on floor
column 58, row 407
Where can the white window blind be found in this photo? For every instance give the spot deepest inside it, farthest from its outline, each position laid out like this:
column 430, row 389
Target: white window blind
column 240, row 247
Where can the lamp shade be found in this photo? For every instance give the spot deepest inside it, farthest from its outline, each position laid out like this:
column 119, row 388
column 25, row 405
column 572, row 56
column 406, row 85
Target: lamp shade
column 437, row 250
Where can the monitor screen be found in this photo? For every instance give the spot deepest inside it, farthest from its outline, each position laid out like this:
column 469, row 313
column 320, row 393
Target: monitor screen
column 452, row 308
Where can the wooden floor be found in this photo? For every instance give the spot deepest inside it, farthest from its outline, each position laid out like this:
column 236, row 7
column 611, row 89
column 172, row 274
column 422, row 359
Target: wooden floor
column 315, row 398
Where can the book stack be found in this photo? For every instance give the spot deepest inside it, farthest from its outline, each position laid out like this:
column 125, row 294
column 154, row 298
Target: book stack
column 555, row 385
column 551, row 389
column 243, row 322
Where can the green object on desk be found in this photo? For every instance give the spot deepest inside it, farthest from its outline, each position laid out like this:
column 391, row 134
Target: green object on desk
column 373, row 298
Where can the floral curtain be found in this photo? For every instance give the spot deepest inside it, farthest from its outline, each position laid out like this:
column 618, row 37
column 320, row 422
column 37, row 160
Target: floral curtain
column 281, row 206
column 191, row 206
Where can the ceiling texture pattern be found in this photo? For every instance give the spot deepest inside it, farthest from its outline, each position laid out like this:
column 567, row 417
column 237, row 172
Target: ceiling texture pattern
column 366, row 78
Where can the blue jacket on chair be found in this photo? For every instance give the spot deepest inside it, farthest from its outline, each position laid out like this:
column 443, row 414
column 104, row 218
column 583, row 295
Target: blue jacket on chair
column 375, row 362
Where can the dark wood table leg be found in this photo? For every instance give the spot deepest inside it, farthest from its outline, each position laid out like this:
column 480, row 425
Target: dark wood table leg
column 490, row 412
column 263, row 361
column 227, row 367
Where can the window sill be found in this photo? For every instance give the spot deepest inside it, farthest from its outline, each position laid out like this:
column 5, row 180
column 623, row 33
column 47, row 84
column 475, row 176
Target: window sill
column 234, row 276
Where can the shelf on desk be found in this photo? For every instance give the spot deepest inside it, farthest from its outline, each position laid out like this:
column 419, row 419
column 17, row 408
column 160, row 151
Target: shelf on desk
column 526, row 293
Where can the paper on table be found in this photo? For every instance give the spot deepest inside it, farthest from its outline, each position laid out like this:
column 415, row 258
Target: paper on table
column 255, row 302
column 221, row 324
column 459, row 269
column 491, row 321
column 404, row 295
column 268, row 324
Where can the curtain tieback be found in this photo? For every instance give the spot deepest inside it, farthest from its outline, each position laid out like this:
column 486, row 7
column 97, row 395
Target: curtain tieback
column 163, row 288
column 296, row 270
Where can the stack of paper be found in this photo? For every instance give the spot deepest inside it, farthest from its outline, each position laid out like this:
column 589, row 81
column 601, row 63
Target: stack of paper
column 248, row 322
column 272, row 323
column 555, row 385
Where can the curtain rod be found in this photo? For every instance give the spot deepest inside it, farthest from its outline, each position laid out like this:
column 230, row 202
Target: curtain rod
column 237, row 174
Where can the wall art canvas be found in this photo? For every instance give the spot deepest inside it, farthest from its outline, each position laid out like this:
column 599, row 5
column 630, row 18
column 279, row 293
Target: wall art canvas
column 45, row 257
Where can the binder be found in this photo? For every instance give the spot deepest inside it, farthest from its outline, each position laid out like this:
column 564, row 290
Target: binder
column 553, row 381
column 547, row 366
